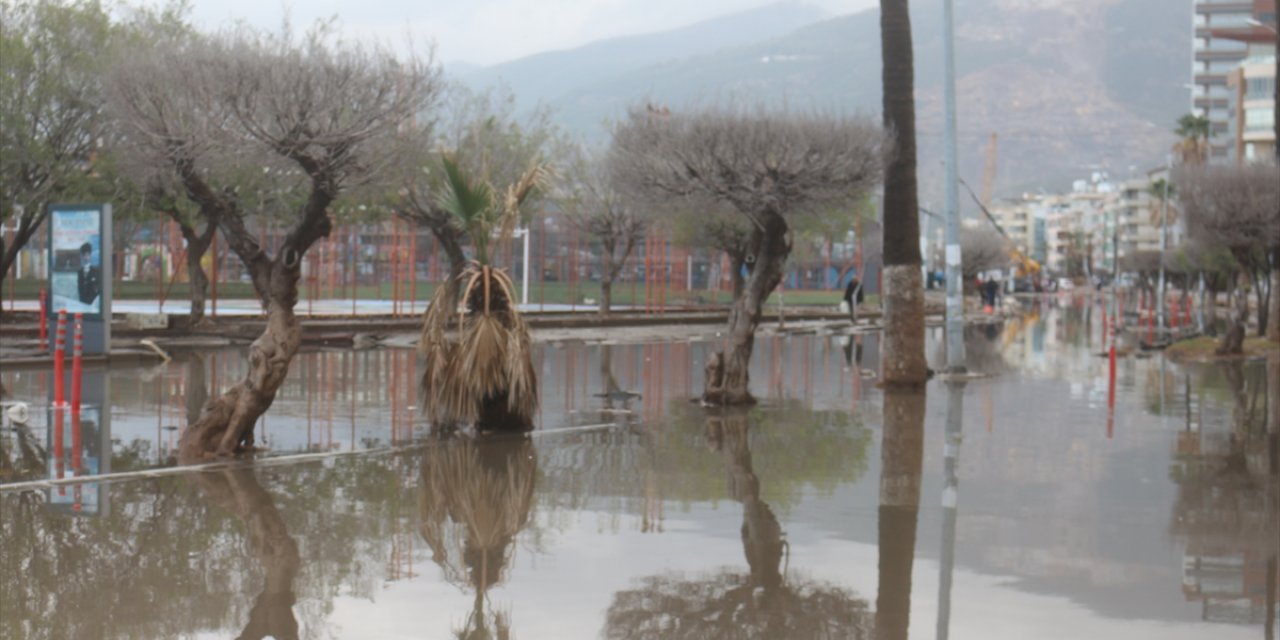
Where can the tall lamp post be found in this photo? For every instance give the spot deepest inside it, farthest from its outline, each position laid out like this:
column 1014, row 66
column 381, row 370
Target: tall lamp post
column 955, row 300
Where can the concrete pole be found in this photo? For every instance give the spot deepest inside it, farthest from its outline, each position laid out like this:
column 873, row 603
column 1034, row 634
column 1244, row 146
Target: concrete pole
column 1164, row 239
column 955, row 290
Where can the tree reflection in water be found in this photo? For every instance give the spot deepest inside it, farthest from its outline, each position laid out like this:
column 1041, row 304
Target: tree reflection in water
column 475, row 496
column 238, row 492
column 766, row 602
column 1227, row 511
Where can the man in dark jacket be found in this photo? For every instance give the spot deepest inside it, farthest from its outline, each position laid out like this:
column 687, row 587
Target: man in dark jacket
column 853, row 297
column 89, row 277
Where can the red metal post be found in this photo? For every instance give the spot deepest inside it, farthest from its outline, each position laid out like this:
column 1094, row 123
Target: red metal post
column 59, row 367
column 77, row 351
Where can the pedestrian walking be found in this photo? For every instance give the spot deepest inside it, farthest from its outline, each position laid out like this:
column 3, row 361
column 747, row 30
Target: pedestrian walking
column 853, row 298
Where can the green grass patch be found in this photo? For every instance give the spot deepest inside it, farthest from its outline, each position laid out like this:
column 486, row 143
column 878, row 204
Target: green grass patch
column 1205, row 348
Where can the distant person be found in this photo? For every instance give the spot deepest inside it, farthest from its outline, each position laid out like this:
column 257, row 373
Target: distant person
column 853, row 297
column 990, row 292
column 89, row 277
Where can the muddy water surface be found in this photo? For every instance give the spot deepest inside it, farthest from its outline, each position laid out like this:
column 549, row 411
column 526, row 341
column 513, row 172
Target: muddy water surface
column 1030, row 504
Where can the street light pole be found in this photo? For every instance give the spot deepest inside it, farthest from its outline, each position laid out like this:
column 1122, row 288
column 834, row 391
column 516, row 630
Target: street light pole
column 955, row 300
column 1164, row 240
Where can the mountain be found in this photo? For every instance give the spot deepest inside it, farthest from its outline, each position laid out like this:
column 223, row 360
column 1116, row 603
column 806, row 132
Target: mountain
column 1070, row 86
column 545, row 77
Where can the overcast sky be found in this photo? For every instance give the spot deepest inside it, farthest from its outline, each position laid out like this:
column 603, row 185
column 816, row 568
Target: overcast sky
column 490, row 31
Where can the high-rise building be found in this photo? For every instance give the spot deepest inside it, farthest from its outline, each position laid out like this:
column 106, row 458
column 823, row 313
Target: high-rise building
column 1215, row 55
column 1251, row 87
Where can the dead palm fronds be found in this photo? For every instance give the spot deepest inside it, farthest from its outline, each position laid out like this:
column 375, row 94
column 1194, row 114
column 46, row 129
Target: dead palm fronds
column 481, row 372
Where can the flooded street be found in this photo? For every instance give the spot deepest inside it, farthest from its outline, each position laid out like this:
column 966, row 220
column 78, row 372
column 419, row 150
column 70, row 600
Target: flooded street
column 1043, row 506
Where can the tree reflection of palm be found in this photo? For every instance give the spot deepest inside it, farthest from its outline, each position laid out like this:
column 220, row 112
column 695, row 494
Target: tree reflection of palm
column 238, row 492
column 476, row 496
column 764, row 603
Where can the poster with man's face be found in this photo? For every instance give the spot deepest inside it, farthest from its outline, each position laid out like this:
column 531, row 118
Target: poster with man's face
column 76, row 273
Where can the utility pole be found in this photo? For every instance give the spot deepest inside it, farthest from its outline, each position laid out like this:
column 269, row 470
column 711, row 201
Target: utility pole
column 1164, row 240
column 955, row 291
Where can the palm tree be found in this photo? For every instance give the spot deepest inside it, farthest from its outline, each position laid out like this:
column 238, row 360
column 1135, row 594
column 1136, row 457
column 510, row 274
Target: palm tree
column 904, row 361
column 482, row 374
column 1195, row 131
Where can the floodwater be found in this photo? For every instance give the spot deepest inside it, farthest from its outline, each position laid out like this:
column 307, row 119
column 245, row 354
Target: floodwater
column 1030, row 504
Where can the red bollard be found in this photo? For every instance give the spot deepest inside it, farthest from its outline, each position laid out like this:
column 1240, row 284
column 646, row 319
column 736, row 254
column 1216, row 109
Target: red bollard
column 59, row 355
column 44, row 319
column 77, row 351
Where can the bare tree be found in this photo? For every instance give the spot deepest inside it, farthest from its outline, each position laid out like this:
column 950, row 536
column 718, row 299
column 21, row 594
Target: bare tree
column 903, row 295
column 323, row 108
column 1239, row 208
column 767, row 166
column 981, row 250
column 593, row 207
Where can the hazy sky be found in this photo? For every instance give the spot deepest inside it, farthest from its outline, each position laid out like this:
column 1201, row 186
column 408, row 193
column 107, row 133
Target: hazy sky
column 490, row 31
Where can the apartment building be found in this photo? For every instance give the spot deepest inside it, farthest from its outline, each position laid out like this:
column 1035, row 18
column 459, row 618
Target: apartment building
column 1215, row 55
column 1251, row 88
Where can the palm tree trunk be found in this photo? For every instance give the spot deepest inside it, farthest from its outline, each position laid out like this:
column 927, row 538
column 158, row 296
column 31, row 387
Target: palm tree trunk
column 904, row 360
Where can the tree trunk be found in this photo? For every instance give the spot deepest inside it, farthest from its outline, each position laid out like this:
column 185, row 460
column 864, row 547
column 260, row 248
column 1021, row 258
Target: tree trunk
column 1233, row 340
column 736, row 262
column 729, row 384
column 226, row 425
column 606, row 277
column 901, row 467
column 1273, row 309
column 606, row 294
column 198, row 279
column 1262, row 292
column 903, row 295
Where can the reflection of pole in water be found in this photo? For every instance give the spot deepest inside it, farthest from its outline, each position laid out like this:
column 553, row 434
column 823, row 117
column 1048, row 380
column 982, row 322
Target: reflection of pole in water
column 950, row 499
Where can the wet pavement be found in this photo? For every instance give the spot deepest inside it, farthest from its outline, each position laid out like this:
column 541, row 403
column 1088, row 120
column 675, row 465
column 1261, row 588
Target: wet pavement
column 1032, row 503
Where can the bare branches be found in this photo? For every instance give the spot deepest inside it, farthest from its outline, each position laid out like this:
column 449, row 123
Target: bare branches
column 593, row 207
column 757, row 162
column 1235, row 207
column 981, row 250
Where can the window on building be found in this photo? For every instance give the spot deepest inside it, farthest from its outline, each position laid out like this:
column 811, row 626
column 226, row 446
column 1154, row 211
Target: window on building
column 1259, row 119
column 1261, row 88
